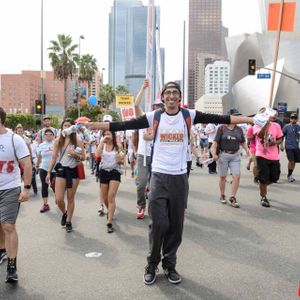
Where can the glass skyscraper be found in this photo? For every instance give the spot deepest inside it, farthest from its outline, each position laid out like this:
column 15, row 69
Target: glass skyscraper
column 130, row 50
column 206, row 35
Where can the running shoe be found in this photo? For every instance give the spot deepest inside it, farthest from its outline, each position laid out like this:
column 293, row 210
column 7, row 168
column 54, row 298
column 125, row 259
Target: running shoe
column 69, row 227
column 223, row 199
column 141, row 213
column 233, row 202
column 63, row 219
column 44, row 208
column 291, row 178
column 3, row 256
column 101, row 211
column 265, row 202
column 150, row 274
column 110, row 228
column 172, row 275
column 12, row 276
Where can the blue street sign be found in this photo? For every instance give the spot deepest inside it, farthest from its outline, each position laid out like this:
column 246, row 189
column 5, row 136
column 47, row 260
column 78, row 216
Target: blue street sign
column 263, row 76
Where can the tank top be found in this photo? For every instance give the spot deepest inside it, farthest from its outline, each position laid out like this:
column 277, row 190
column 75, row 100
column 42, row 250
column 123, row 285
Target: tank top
column 66, row 160
column 109, row 160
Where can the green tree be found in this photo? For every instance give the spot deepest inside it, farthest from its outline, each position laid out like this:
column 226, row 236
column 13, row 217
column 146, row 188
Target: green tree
column 92, row 112
column 121, row 90
column 87, row 68
column 107, row 94
column 63, row 60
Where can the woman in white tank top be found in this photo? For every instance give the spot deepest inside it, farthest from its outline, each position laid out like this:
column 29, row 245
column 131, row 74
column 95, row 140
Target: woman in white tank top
column 110, row 173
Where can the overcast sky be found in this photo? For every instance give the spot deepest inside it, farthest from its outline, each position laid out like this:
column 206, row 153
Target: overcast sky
column 20, row 29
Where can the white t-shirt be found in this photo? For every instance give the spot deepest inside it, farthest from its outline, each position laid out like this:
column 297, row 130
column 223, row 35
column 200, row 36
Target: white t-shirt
column 9, row 167
column 144, row 145
column 171, row 143
column 128, row 138
column 210, row 131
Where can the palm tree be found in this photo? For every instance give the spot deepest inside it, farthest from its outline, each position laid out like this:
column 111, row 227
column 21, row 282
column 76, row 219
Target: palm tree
column 107, row 94
column 87, row 68
column 63, row 60
column 121, row 90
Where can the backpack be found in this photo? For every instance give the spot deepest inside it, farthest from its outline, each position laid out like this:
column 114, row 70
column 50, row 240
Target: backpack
column 157, row 114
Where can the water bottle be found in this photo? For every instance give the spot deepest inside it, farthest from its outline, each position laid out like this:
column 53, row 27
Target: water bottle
column 71, row 129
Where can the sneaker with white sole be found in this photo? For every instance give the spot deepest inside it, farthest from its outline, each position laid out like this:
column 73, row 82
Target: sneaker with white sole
column 223, row 199
column 291, row 178
column 172, row 275
column 233, row 202
column 150, row 274
column 3, row 256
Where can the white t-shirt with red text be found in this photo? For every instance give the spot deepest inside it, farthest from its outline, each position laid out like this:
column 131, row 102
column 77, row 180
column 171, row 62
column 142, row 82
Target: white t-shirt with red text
column 9, row 167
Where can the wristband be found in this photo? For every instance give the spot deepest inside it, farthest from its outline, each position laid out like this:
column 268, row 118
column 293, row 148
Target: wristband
column 27, row 186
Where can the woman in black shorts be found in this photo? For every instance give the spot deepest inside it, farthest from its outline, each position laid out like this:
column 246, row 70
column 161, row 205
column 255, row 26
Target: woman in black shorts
column 68, row 151
column 110, row 173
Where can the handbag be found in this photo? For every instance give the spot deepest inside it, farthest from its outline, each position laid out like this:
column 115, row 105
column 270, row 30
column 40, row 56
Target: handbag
column 80, row 171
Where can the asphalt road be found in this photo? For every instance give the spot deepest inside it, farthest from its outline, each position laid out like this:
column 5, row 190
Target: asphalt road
column 227, row 253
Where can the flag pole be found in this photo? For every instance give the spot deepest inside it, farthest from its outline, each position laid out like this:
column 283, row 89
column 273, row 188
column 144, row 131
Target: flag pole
column 276, row 53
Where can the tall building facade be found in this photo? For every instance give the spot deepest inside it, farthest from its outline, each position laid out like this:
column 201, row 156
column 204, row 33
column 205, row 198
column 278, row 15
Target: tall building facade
column 117, row 40
column 217, row 78
column 128, row 65
column 206, row 35
column 18, row 92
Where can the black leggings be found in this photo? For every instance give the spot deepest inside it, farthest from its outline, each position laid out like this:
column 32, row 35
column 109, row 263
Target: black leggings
column 45, row 186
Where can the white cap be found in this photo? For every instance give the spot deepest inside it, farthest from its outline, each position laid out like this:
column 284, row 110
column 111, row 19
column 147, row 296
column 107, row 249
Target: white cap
column 157, row 102
column 107, row 118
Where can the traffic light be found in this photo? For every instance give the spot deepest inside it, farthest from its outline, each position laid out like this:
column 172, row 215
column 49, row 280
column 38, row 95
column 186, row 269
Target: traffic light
column 251, row 66
column 38, row 107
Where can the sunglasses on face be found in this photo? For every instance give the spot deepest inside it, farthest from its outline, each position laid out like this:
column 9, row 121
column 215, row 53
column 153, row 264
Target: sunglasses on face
column 294, row 118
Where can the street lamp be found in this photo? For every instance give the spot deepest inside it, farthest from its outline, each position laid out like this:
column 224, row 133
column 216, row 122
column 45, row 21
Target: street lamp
column 78, row 97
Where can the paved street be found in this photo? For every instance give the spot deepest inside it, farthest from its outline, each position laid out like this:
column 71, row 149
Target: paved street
column 247, row 253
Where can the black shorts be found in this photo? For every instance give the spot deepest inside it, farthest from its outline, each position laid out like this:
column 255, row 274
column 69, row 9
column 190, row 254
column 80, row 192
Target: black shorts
column 268, row 170
column 107, row 176
column 72, row 172
column 293, row 155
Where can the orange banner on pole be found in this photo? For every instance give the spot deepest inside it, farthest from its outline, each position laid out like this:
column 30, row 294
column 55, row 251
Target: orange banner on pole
column 288, row 16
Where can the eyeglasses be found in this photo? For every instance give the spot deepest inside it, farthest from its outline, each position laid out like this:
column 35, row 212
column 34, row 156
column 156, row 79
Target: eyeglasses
column 174, row 93
column 294, row 118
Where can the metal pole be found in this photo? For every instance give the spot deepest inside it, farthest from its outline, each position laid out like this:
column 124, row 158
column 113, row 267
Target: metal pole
column 183, row 66
column 42, row 59
column 114, row 45
column 78, row 74
column 276, row 53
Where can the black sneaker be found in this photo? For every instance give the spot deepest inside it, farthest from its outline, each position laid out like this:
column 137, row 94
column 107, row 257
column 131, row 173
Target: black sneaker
column 63, row 219
column 12, row 275
column 69, row 227
column 150, row 274
column 265, row 202
column 110, row 228
column 101, row 211
column 3, row 256
column 172, row 275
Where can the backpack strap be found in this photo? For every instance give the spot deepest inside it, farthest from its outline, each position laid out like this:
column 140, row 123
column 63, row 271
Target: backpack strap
column 14, row 147
column 188, row 121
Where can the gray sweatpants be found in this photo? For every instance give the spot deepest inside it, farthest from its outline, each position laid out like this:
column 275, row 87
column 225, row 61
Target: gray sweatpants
column 142, row 177
column 167, row 201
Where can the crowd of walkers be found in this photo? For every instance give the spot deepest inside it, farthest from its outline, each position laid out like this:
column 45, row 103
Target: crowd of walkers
column 160, row 146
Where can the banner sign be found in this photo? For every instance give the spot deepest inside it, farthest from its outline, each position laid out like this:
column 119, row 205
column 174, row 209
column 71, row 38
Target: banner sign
column 127, row 113
column 124, row 101
column 149, row 55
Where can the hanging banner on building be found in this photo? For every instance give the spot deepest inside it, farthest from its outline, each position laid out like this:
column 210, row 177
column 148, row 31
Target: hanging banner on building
column 127, row 113
column 124, row 101
column 149, row 55
column 158, row 63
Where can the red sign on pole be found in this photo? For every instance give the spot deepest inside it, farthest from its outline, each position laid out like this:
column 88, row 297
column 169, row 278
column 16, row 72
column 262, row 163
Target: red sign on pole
column 288, row 16
column 127, row 113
